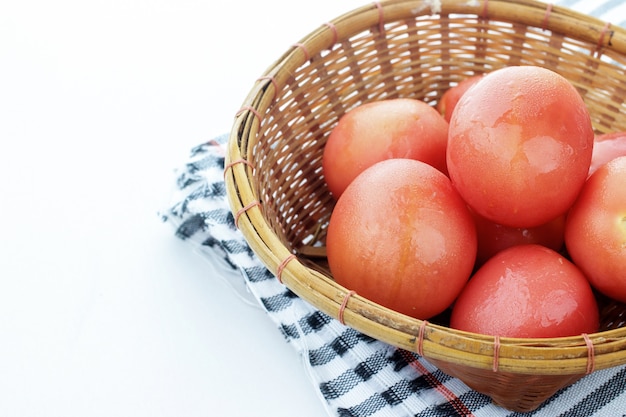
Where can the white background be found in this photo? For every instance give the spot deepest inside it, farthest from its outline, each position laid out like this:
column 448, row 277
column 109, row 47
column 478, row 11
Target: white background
column 103, row 312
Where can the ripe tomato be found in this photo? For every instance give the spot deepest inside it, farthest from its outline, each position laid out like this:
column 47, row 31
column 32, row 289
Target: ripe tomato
column 401, row 236
column 448, row 100
column 372, row 132
column 606, row 148
column 494, row 237
column 527, row 291
column 519, row 147
column 595, row 231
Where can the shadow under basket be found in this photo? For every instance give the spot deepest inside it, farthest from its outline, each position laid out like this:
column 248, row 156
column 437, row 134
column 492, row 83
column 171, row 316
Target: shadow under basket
column 417, row 49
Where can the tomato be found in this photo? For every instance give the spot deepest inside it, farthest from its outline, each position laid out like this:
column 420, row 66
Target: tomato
column 494, row 237
column 448, row 100
column 595, row 231
column 401, row 236
column 372, row 132
column 527, row 291
column 519, row 146
column 607, row 147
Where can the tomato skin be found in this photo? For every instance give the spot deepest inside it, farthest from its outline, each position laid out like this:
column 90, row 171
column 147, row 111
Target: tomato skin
column 379, row 130
column 607, row 147
column 494, row 237
column 595, row 231
column 527, row 291
column 448, row 100
column 519, row 146
column 401, row 236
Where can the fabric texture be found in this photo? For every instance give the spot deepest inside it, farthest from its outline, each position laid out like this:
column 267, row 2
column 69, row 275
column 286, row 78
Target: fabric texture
column 357, row 376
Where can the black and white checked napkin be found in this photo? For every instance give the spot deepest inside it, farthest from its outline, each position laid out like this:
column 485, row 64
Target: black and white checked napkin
column 357, row 375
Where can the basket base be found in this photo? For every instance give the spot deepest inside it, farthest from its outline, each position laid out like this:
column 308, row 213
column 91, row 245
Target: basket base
column 515, row 392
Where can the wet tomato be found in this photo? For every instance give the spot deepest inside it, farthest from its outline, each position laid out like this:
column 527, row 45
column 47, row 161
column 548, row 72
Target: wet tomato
column 448, row 100
column 379, row 130
column 527, row 291
column 519, row 146
column 401, row 236
column 595, row 231
column 607, row 147
column 494, row 237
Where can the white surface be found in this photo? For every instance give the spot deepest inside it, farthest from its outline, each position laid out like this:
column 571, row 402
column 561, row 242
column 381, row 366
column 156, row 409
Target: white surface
column 103, row 312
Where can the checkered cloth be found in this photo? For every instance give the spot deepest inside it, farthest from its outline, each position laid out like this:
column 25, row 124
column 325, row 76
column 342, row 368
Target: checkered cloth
column 359, row 376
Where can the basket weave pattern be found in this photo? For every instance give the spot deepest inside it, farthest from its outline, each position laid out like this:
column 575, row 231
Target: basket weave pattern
column 418, row 49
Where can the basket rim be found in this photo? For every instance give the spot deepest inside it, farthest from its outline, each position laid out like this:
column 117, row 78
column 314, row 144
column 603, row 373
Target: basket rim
column 558, row 356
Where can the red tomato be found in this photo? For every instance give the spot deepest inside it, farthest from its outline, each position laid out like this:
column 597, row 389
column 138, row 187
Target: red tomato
column 527, row 291
column 606, row 148
column 372, row 132
column 519, row 147
column 401, row 236
column 494, row 237
column 595, row 231
column 448, row 100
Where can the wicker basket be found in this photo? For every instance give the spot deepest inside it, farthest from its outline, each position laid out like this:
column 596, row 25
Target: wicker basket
column 413, row 48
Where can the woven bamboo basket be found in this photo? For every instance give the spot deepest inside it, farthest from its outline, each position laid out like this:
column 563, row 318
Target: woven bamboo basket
column 418, row 49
